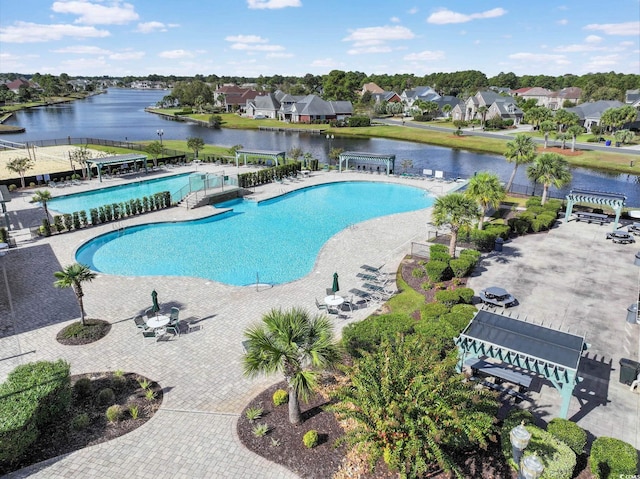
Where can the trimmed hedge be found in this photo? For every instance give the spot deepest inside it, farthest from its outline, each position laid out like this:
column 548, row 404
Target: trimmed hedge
column 568, row 432
column 433, row 310
column 452, row 297
column 484, row 240
column 366, row 335
column 33, row 395
column 612, row 458
column 438, row 271
column 462, row 266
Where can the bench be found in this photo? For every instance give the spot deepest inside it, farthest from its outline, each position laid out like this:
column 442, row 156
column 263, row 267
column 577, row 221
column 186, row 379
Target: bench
column 593, row 217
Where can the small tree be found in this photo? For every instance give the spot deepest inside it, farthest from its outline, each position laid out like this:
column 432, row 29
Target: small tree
column 81, row 155
column 549, row 169
column 42, row 196
column 455, row 210
column 72, row 277
column 486, row 189
column 195, row 144
column 406, row 164
column 20, row 166
column 155, row 150
column 295, row 344
column 624, row 136
column 573, row 131
column 521, row 150
column 547, row 126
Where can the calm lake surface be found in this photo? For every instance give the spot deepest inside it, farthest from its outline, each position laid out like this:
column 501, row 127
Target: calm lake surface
column 120, row 115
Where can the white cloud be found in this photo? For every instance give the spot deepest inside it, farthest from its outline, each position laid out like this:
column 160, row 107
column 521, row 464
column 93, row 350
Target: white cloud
column 540, row 58
column 261, row 4
column 602, row 63
column 444, row 16
column 377, row 35
column 593, row 39
column 369, row 49
column 394, row 20
column 423, row 56
column 327, row 63
column 627, row 28
column 25, row 32
column 280, row 55
column 174, row 54
column 94, row 14
column 246, row 39
column 252, row 47
column 127, row 55
column 590, row 45
column 563, row 21
column 151, row 27
column 83, row 50
column 412, row 11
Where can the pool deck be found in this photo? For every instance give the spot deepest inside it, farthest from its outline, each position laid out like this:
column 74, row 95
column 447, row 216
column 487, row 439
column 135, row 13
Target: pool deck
column 571, row 279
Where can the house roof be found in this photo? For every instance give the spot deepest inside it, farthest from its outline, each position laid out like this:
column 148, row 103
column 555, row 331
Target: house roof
column 313, row 105
column 371, row 87
column 569, row 93
column 506, row 106
column 594, row 109
column 631, row 96
column 266, row 102
column 385, row 96
column 424, row 93
column 520, row 91
column 536, row 91
column 488, row 97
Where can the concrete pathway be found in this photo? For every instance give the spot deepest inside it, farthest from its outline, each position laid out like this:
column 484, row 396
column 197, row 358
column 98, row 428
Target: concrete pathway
column 193, row 433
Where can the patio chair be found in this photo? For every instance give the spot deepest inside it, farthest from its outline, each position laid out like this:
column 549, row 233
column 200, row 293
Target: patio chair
column 140, row 322
column 149, row 313
column 174, row 322
column 320, row 306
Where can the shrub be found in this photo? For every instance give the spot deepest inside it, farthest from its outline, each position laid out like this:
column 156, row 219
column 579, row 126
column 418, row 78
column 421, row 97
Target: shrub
column 260, row 430
column 83, row 387
column 280, row 397
column 568, row 432
column 134, row 411
column 547, row 219
column 465, row 294
column 553, row 204
column 612, row 458
column 95, row 217
column 471, row 254
column 83, row 218
column 254, row 413
column 484, row 240
column 45, row 228
column 367, row 334
column 114, row 413
column 76, row 220
column 462, row 266
column 433, row 310
column 418, row 272
column 437, row 271
column 519, row 225
column 68, row 221
column 438, row 248
column 534, row 201
column 440, row 256
column 427, row 285
column 448, row 297
column 310, row 438
column 106, row 397
column 102, row 216
column 502, row 231
column 81, row 421
column 118, row 382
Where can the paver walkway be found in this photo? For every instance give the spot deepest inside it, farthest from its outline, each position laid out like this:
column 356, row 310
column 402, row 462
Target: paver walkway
column 193, row 433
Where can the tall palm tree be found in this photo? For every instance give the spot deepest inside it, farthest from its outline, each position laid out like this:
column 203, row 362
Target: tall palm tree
column 563, row 137
column 42, row 196
column 483, row 114
column 549, row 169
column 295, row 344
column 547, row 126
column 455, row 210
column 521, row 150
column 486, row 189
column 574, row 131
column 72, row 277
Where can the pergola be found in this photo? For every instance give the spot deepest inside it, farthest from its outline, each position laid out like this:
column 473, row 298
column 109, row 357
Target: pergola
column 132, row 158
column 5, row 197
column 387, row 160
column 269, row 154
column 554, row 355
column 613, row 200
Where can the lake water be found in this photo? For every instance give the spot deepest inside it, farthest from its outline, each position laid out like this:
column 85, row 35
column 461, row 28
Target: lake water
column 120, row 115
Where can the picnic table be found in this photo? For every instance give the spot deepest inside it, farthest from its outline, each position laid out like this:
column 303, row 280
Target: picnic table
column 621, row 237
column 592, row 217
column 482, row 368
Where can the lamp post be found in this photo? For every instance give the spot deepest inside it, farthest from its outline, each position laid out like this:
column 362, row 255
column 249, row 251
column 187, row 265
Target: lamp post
column 160, row 133
column 637, row 263
column 530, row 468
column 330, row 139
column 520, row 438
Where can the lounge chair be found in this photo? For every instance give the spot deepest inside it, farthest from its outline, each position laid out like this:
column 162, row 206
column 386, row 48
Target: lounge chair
column 174, row 322
column 140, row 322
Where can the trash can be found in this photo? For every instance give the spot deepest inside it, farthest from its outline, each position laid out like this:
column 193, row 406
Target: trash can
column 618, row 144
column 628, row 370
column 632, row 313
column 607, row 143
column 498, row 244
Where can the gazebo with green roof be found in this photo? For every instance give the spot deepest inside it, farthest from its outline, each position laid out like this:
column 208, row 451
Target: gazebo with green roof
column 613, row 200
column 387, row 160
column 129, row 158
column 266, row 154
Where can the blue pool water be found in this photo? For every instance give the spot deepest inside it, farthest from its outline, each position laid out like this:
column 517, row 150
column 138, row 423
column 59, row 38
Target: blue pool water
column 117, row 194
column 278, row 239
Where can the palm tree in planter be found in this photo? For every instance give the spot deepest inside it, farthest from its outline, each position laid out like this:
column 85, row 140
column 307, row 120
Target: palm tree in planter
column 72, row 277
column 456, row 210
column 295, row 344
column 486, row 189
column 42, row 196
column 549, row 169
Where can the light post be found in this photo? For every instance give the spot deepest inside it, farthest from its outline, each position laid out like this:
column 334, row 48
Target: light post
column 637, row 263
column 530, row 468
column 330, row 139
column 520, row 438
column 160, row 133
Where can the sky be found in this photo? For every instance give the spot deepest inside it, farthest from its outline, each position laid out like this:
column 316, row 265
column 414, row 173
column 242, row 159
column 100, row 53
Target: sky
column 295, row 37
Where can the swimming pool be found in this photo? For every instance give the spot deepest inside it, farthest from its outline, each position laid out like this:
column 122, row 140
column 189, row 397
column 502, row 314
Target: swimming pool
column 277, row 240
column 118, row 194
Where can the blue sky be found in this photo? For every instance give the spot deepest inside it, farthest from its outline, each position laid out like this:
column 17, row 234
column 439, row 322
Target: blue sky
column 295, row 37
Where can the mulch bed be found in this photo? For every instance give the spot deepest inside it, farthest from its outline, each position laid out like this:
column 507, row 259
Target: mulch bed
column 77, row 334
column 60, row 438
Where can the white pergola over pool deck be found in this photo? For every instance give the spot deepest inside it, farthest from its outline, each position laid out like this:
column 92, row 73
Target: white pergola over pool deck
column 129, row 158
column 387, row 160
column 268, row 154
column 613, row 200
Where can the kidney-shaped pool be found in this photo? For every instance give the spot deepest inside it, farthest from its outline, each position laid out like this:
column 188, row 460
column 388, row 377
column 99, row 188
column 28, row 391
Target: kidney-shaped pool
column 274, row 241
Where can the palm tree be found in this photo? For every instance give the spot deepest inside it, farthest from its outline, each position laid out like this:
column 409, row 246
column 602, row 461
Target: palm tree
column 486, row 189
column 547, row 126
column 483, row 113
column 72, row 277
column 520, row 150
column 549, row 169
column 455, row 210
column 563, row 137
column 447, row 109
column 42, row 196
column 295, row 344
column 574, row 131
column 20, row 166
column 196, row 144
